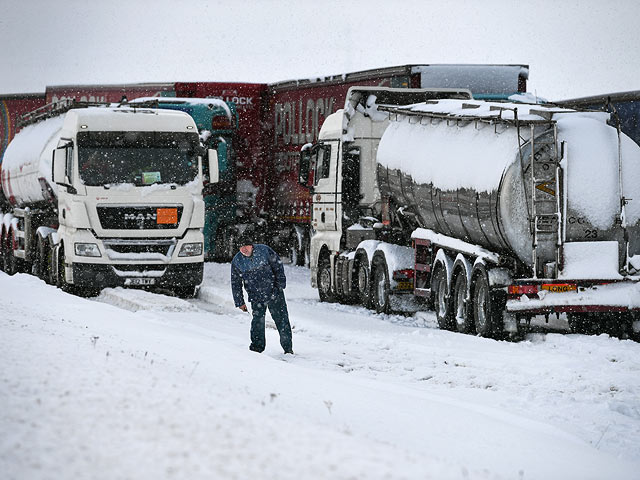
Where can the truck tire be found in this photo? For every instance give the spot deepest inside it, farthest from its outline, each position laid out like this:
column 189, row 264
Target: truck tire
column 51, row 265
column 441, row 298
column 380, row 284
column 462, row 320
column 324, row 280
column 40, row 264
column 61, row 278
column 14, row 264
column 5, row 254
column 363, row 281
column 486, row 313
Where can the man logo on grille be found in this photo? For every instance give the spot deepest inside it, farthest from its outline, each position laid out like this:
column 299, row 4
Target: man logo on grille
column 140, row 218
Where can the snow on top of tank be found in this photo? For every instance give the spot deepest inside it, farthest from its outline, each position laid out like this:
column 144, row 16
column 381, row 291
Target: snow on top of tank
column 29, row 142
column 445, row 154
column 216, row 102
column 504, row 110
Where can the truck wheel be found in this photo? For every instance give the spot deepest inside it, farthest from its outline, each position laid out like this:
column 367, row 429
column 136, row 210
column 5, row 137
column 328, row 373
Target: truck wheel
column 51, row 277
column 441, row 300
column 5, row 255
column 14, row 264
column 463, row 321
column 380, row 285
column 61, row 279
column 363, row 282
column 39, row 268
column 324, row 280
column 486, row 314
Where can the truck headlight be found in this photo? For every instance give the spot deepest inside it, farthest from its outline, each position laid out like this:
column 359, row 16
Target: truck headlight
column 190, row 250
column 87, row 250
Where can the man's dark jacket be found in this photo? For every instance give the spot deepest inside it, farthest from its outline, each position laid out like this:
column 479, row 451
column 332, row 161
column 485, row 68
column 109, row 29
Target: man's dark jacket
column 261, row 273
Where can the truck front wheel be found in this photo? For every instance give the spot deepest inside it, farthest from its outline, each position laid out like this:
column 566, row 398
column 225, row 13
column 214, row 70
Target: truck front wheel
column 40, row 263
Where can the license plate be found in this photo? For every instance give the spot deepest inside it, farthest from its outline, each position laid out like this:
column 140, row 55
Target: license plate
column 140, row 281
column 559, row 287
column 404, row 285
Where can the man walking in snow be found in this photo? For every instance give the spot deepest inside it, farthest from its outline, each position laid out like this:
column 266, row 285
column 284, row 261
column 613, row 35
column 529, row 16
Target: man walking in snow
column 260, row 269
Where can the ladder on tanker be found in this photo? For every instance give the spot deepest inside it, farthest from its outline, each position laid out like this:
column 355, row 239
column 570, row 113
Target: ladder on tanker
column 546, row 200
column 54, row 109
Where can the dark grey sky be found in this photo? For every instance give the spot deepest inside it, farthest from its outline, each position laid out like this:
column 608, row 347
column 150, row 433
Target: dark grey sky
column 574, row 48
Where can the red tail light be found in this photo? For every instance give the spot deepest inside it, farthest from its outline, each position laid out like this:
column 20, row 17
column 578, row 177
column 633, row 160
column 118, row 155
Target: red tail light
column 522, row 289
column 406, row 274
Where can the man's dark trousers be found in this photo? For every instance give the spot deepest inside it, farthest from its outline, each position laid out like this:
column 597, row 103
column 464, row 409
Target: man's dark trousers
column 278, row 308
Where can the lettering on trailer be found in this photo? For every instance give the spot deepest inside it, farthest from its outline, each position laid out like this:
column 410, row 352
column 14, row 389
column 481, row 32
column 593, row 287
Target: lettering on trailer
column 559, row 287
column 299, row 122
column 234, row 97
column 286, row 161
column 83, row 98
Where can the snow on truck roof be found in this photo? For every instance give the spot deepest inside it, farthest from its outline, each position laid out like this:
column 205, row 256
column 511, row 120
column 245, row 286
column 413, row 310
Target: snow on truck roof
column 125, row 118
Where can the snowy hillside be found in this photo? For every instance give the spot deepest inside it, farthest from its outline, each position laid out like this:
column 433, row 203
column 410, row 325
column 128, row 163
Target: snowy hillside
column 135, row 385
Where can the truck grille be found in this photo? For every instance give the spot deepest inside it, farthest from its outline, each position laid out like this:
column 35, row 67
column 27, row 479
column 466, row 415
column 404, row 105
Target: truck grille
column 121, row 249
column 140, row 218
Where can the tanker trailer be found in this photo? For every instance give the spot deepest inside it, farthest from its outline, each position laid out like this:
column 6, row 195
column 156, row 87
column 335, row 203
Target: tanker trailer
column 103, row 196
column 492, row 212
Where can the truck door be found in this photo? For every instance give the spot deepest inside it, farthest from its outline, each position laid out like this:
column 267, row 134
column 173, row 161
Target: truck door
column 325, row 193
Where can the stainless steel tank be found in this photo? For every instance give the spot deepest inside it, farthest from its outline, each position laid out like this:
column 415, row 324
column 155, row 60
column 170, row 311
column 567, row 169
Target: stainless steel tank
column 473, row 181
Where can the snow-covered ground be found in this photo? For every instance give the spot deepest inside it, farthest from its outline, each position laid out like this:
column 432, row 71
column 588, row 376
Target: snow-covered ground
column 136, row 385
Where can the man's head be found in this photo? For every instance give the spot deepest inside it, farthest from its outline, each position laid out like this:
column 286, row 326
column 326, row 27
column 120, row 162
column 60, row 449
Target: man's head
column 245, row 242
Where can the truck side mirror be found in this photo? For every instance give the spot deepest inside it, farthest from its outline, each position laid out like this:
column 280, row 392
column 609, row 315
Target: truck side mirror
column 214, row 170
column 58, row 170
column 304, row 166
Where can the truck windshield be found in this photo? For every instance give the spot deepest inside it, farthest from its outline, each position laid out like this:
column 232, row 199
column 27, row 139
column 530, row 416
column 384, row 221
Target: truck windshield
column 139, row 158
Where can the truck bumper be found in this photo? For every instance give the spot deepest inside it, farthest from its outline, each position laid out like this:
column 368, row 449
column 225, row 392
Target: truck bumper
column 102, row 276
column 621, row 296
